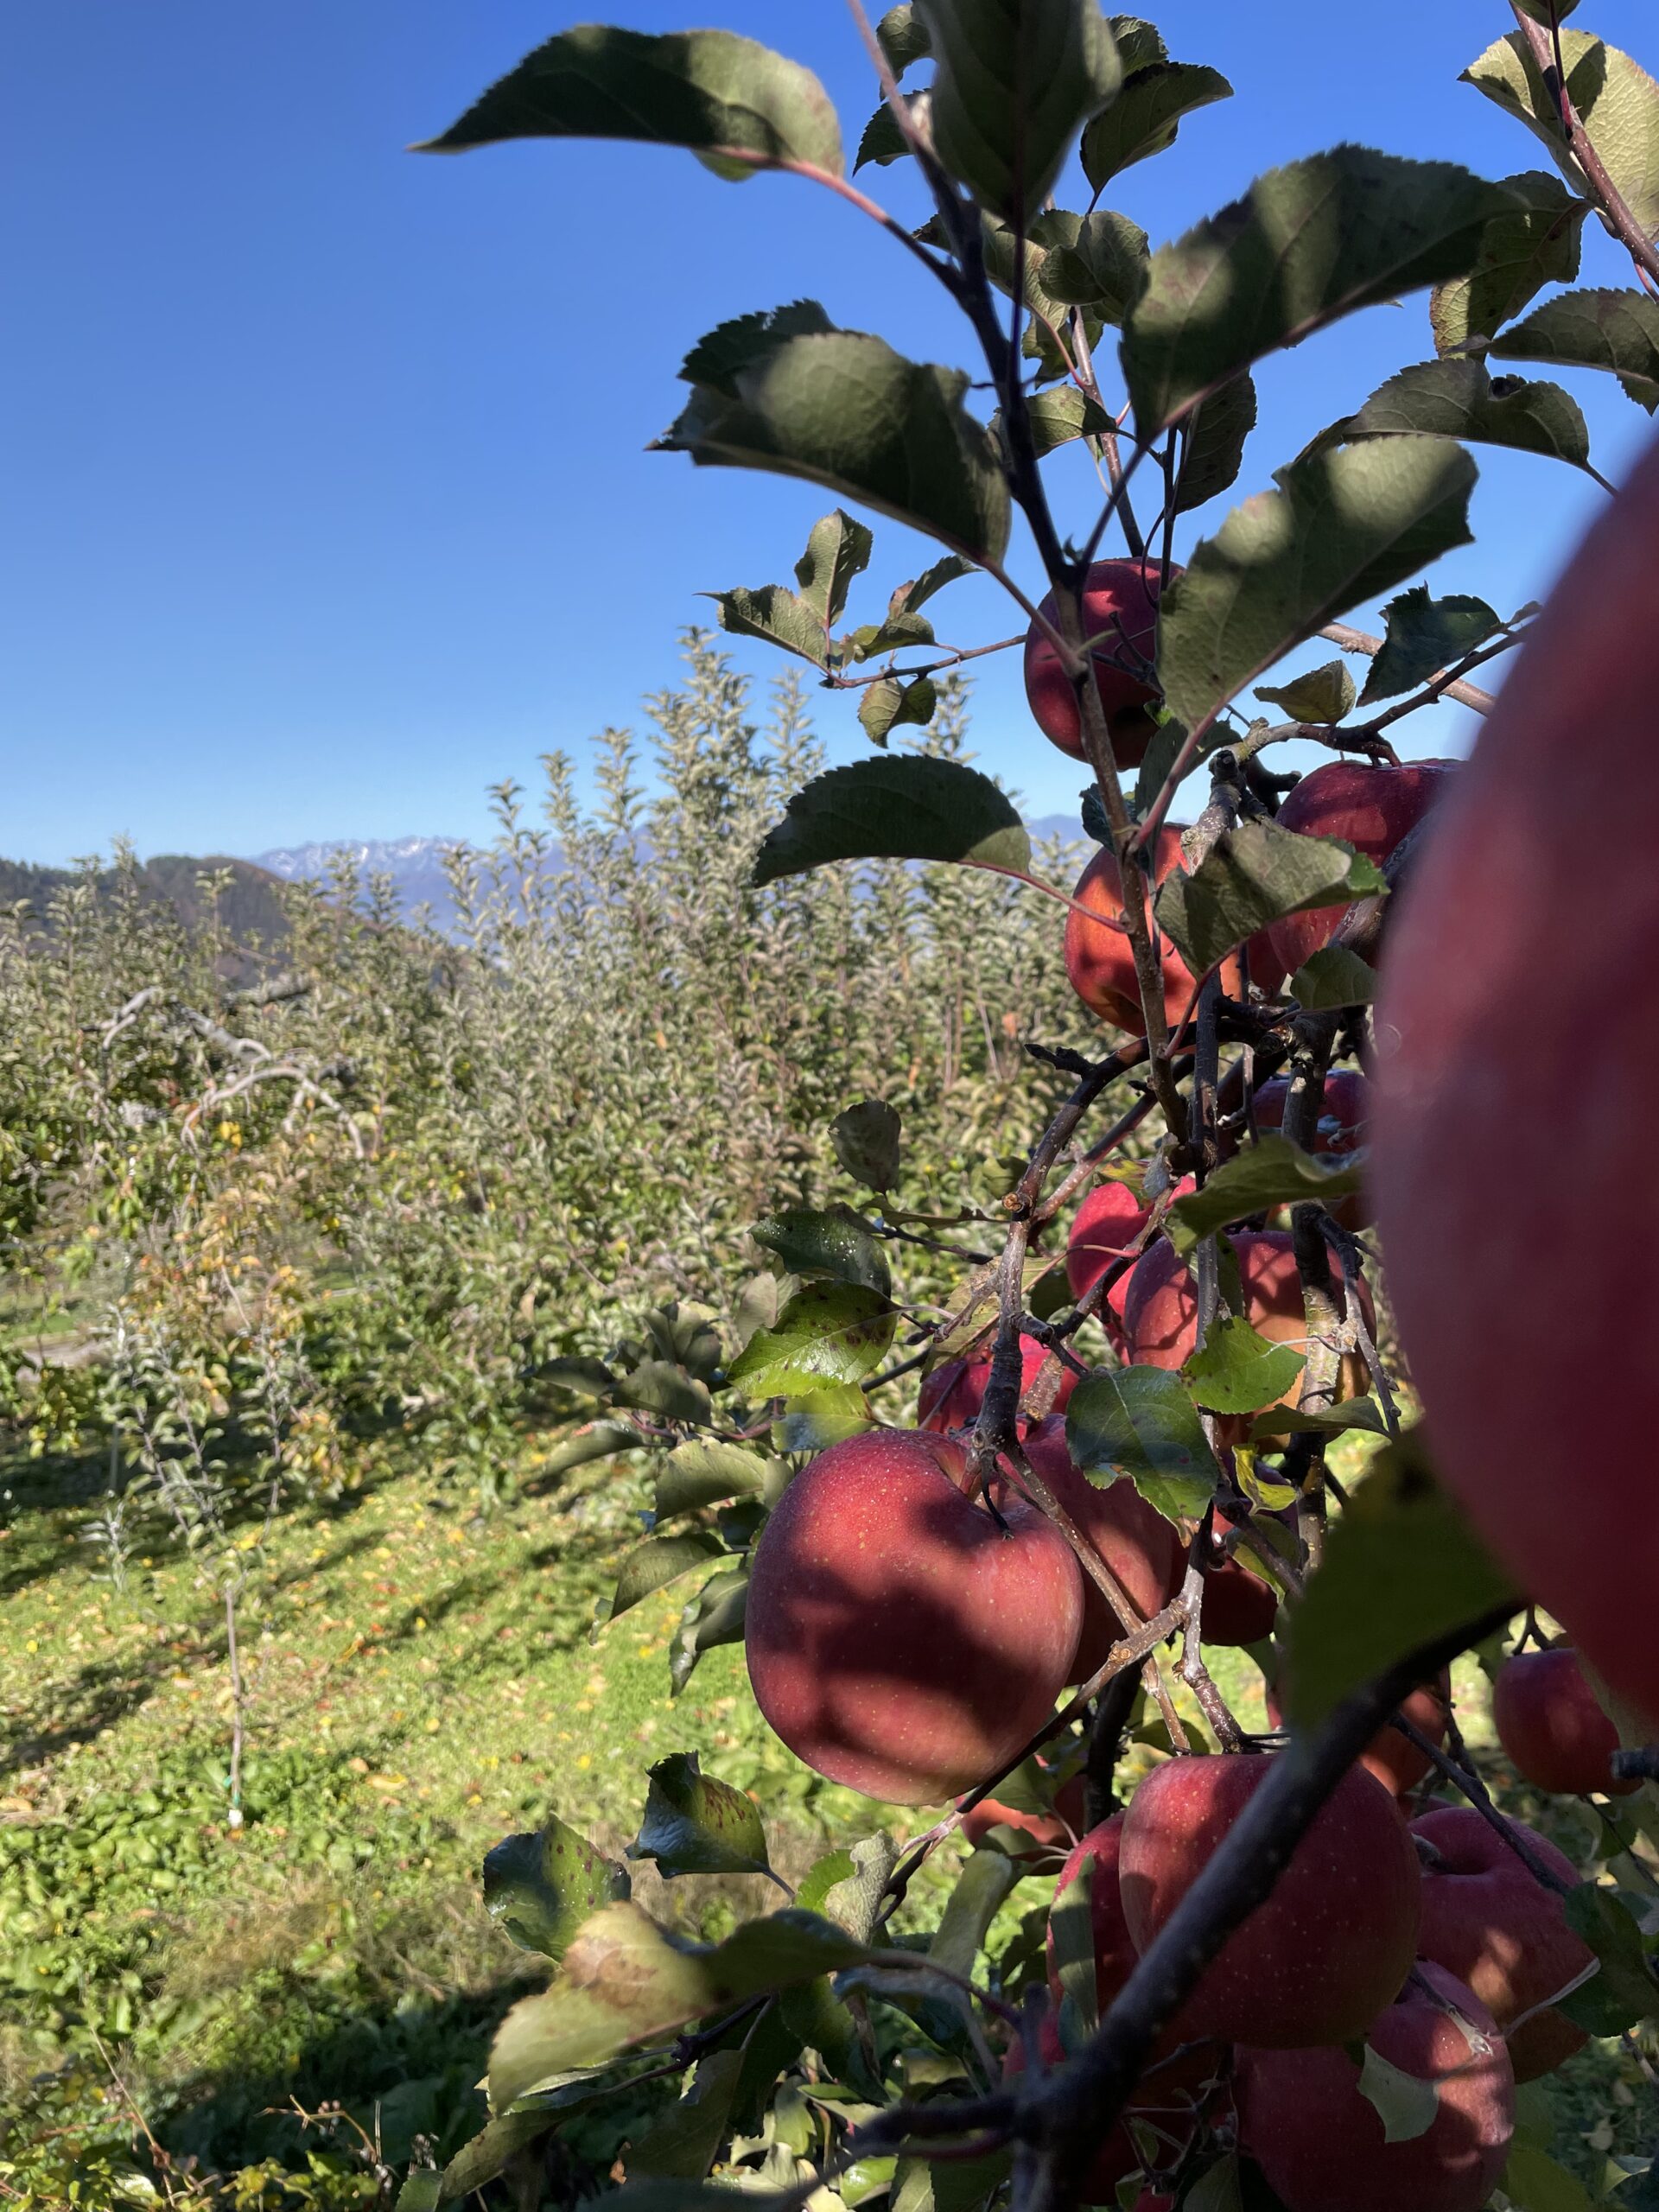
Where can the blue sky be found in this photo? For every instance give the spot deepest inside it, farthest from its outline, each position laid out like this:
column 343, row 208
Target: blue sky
column 328, row 504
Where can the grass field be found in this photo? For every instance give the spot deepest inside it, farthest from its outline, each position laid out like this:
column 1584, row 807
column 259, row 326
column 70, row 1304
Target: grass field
column 421, row 1681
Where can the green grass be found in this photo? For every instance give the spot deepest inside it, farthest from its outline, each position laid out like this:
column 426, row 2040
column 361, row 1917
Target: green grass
column 423, row 1682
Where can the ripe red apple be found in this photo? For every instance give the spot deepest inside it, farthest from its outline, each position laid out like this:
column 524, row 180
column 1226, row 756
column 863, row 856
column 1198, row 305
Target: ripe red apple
column 1393, row 1759
column 1105, row 1227
column 1490, row 1920
column 951, row 1396
column 1119, row 614
column 899, row 1640
column 1240, row 1606
column 1548, row 1721
column 1141, row 1548
column 1098, row 956
column 1368, row 805
column 1333, row 1942
column 1341, row 1129
column 1323, row 2146
column 1052, row 1833
column 1161, row 1311
column 1527, row 1298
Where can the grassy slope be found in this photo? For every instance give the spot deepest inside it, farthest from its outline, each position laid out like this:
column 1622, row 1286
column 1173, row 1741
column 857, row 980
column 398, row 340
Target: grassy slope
column 423, row 1683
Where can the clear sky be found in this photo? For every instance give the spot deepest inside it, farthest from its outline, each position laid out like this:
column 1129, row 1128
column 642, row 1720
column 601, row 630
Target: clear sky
column 327, row 501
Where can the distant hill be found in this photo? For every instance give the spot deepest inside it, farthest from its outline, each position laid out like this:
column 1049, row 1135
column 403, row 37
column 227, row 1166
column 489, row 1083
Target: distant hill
column 249, row 906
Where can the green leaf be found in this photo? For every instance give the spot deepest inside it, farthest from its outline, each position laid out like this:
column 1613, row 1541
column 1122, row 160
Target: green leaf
column 1617, row 102
column 423, row 2190
column 707, row 1473
column 837, row 550
column 1331, row 977
column 1213, row 435
column 842, row 409
column 891, row 702
column 583, row 1378
column 657, row 1386
column 1307, row 244
column 899, row 628
column 1071, row 1928
column 1533, row 2181
column 539, row 1889
column 866, row 1139
column 1401, row 1567
column 881, row 142
column 1141, row 1422
column 747, row 340
column 1539, row 244
column 1460, row 399
column 854, row 1897
column 837, row 1242
column 1407, row 2106
column 683, row 2140
column 1147, row 115
column 1098, row 260
column 1422, row 637
column 1218, row 2190
column 656, row 1563
column 904, row 38
column 826, row 2025
column 819, row 1418
column 709, row 91
column 1325, row 1420
column 1342, row 528
column 602, row 1441
column 912, row 807
column 482, row 2160
column 1014, row 81
column 1273, row 1172
column 1059, row 415
column 624, row 1981
column 959, row 2185
column 910, row 596
column 1238, row 1371
column 828, row 1332
column 1253, row 874
column 776, row 616
column 1139, row 43
column 1322, row 694
column 1616, row 330
column 694, row 1825
column 985, row 1880
column 1625, row 1992
column 714, row 1616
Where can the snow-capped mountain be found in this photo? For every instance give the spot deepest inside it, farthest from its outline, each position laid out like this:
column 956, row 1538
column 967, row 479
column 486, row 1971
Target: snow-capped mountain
column 415, row 865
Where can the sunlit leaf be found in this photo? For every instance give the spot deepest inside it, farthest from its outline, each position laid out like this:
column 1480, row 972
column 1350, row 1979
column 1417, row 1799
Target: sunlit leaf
column 1254, row 873
column 1141, row 1422
column 1238, row 1371
column 539, row 1889
column 828, row 1332
column 1617, row 102
column 694, row 1825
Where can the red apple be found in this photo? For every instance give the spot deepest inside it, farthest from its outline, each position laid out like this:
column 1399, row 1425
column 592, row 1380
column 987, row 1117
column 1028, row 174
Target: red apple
column 1333, row 1942
column 1548, row 1721
column 1051, row 1833
column 1106, row 1226
column 899, row 1640
column 1120, row 616
column 1518, row 1037
column 1393, row 1759
column 1368, row 805
column 1098, row 956
column 1323, row 2146
column 1240, row 1606
column 952, row 1393
column 1490, row 1920
column 1142, row 1549
column 1341, row 1128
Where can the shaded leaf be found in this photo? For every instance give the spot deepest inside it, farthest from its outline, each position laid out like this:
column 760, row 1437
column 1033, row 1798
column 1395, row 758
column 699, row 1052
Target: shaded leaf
column 602, row 1441
column 898, row 628
column 1333, row 976
column 1273, row 1172
column 911, row 807
column 1422, row 636
column 539, row 1889
column 1253, row 874
column 776, row 616
column 706, row 1473
column 828, row 1332
column 1407, row 2106
column 1139, row 43
column 985, row 1880
column 748, row 339
column 1625, row 1992
column 1325, row 1421
column 904, row 38
column 821, row 1417
column 714, row 1616
column 1613, row 329
column 1147, row 115
column 683, row 2140
column 624, row 1981
column 1213, row 435
column 1072, row 1931
column 1617, row 102
column 842, row 409
column 1537, row 244
column 825, row 2024
column 881, row 142
column 956, row 2185
column 1141, row 1422
column 1341, row 528
column 1220, row 2189
column 1460, row 399
column 887, row 705
column 836, row 1242
column 1322, row 694
column 703, row 89
column 837, row 550
column 909, row 597
column 1401, row 1567
column 854, row 1899
column 1307, row 244
column 694, row 1825
column 584, row 1378
column 657, row 1386
column 1238, row 1371
column 866, row 1139
column 1058, row 416
column 1014, row 81
column 1098, row 260
column 1533, row 2181
column 656, row 1563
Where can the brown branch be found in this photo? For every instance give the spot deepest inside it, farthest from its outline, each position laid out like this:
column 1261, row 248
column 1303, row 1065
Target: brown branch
column 1607, row 194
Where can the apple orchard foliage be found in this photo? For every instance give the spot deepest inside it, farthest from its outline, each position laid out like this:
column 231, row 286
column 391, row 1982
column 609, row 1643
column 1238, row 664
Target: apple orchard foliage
column 1264, row 1978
